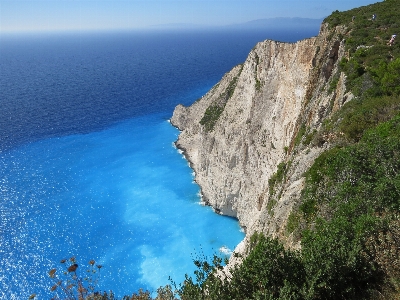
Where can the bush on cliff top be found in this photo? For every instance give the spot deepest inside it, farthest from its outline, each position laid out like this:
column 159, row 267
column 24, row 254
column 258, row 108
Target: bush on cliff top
column 372, row 69
column 350, row 233
column 373, row 66
column 348, row 221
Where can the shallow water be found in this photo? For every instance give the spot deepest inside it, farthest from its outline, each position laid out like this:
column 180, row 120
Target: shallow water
column 88, row 166
column 123, row 196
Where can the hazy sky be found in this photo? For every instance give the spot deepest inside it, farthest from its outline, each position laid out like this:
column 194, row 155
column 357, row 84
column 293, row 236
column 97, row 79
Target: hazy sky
column 34, row 15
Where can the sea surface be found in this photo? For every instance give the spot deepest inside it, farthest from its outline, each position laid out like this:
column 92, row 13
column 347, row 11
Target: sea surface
column 88, row 168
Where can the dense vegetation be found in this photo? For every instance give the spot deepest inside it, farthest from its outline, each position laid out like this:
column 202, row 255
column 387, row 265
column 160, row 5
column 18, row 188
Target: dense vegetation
column 372, row 68
column 349, row 225
column 348, row 220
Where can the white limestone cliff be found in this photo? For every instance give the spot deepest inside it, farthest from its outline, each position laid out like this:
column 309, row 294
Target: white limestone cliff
column 278, row 89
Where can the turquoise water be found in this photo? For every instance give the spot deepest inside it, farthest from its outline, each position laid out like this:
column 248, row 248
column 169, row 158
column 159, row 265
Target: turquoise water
column 123, row 196
column 87, row 161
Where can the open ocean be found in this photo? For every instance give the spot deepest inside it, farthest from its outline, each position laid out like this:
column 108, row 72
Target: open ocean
column 87, row 162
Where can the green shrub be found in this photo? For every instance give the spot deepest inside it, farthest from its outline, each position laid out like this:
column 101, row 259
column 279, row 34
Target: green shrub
column 359, row 115
column 366, row 42
column 366, row 170
column 211, row 116
column 309, row 137
column 334, row 262
column 300, row 134
column 270, row 205
column 334, row 82
column 214, row 111
column 351, row 194
column 293, row 222
column 268, row 272
column 277, row 177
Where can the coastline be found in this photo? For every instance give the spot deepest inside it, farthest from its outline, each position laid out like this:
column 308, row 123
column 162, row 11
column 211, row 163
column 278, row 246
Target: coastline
column 255, row 113
column 184, row 152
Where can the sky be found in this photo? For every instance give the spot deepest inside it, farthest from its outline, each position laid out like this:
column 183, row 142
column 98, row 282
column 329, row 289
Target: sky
column 56, row 15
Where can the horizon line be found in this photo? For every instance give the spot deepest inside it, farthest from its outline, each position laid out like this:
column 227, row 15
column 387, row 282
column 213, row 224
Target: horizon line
column 147, row 27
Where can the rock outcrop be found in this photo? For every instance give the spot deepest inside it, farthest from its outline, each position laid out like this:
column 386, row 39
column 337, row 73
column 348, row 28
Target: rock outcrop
column 253, row 121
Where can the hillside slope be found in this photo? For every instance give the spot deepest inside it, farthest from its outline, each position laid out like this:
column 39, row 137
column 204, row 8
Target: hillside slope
column 236, row 135
column 300, row 143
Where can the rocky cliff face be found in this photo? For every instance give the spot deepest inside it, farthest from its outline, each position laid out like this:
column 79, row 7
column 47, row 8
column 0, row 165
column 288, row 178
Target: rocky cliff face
column 256, row 120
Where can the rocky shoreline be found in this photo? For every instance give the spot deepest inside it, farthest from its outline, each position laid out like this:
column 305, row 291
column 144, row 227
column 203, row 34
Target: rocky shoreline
column 244, row 129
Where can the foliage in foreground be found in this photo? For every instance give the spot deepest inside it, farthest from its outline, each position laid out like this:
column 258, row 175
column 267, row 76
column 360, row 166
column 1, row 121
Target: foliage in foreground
column 331, row 265
column 336, row 262
column 70, row 284
column 349, row 225
column 348, row 220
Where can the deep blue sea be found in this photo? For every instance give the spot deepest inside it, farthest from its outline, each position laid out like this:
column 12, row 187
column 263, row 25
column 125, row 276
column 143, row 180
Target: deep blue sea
column 87, row 162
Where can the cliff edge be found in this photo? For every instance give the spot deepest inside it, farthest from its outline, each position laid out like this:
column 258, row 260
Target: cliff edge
column 301, row 143
column 244, row 129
